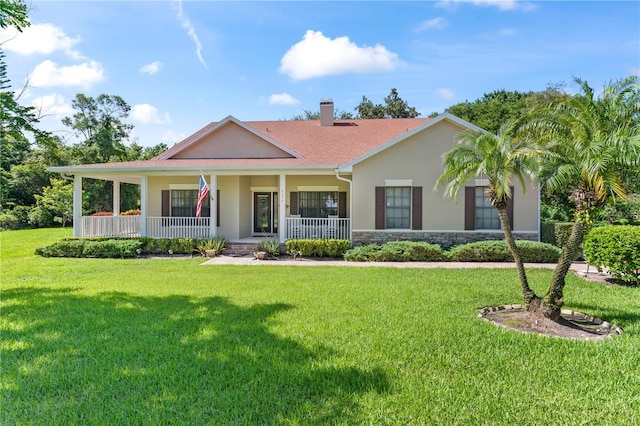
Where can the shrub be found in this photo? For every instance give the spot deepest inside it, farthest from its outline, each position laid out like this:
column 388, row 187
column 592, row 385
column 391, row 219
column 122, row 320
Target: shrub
column 616, row 247
column 102, row 214
column 498, row 251
column 320, row 248
column 135, row 212
column 562, row 230
column 111, row 248
column 270, row 246
column 399, row 251
column 548, row 232
column 65, row 248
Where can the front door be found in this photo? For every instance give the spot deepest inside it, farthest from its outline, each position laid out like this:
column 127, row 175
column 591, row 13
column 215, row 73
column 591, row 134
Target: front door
column 265, row 212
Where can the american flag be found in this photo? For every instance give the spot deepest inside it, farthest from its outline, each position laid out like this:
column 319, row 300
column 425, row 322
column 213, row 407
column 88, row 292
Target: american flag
column 203, row 193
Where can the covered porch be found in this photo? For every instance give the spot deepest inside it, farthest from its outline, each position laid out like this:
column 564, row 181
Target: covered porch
column 310, row 205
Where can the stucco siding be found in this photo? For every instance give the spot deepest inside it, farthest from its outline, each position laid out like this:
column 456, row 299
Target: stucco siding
column 419, row 159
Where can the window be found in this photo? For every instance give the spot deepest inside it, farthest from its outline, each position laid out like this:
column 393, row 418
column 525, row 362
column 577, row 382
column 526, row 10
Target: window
column 185, row 201
column 486, row 216
column 398, row 207
column 318, row 204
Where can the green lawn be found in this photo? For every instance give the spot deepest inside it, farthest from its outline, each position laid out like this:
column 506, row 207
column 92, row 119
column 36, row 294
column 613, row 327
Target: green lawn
column 166, row 341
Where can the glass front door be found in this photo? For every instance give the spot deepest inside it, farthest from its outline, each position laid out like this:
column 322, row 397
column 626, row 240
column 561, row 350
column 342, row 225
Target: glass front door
column 265, row 212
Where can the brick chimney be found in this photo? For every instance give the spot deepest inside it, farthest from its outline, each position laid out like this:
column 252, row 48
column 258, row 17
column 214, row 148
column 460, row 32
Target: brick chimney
column 326, row 112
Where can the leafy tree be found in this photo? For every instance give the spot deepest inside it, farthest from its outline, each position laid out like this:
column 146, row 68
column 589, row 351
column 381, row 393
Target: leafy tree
column 99, row 123
column 13, row 14
column 500, row 159
column 55, row 203
column 394, row 107
column 493, row 110
column 589, row 143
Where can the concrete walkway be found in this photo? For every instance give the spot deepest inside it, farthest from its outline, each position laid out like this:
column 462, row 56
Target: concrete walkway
column 580, row 267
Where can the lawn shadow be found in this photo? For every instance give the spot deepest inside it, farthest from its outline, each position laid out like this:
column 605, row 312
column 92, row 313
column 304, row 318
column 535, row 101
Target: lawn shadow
column 119, row 358
column 622, row 318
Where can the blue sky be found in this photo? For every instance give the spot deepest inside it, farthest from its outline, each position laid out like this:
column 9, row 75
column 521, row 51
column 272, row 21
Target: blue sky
column 183, row 64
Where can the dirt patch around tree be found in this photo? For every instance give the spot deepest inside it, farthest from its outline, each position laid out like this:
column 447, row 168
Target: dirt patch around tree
column 572, row 325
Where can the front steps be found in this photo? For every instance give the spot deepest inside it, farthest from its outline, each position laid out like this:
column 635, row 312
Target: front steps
column 240, row 249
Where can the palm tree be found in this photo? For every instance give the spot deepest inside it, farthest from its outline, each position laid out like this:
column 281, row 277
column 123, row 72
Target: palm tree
column 589, row 143
column 499, row 158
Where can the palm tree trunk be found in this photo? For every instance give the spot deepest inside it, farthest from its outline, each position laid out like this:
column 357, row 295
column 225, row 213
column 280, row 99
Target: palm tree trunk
column 531, row 300
column 552, row 301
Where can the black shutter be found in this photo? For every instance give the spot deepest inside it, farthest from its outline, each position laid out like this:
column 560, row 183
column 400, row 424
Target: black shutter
column 416, row 208
column 217, row 207
column 342, row 204
column 380, row 207
column 469, row 208
column 166, row 203
column 293, row 203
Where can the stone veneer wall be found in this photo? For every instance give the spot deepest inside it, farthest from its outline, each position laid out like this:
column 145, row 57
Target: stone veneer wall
column 444, row 239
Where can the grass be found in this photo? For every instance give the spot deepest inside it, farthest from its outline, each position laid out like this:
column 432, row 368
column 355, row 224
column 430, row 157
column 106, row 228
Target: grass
column 166, row 341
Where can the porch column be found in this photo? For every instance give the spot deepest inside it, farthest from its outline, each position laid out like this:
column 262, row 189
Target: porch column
column 282, row 213
column 77, row 206
column 116, row 197
column 213, row 204
column 144, row 189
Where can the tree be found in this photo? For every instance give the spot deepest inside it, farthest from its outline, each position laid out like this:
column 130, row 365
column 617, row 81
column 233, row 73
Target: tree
column 56, row 202
column 315, row 115
column 394, row 107
column 493, row 109
column 99, row 123
column 589, row 144
column 500, row 159
column 13, row 14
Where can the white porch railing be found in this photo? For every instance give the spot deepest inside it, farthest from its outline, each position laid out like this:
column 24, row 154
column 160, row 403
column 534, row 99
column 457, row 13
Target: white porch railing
column 198, row 227
column 157, row 227
column 306, row 228
column 178, row 227
column 110, row 226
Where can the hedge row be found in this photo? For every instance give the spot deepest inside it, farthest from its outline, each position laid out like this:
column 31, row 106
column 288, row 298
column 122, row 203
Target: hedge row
column 482, row 251
column 106, row 247
column 616, row 247
column 320, row 248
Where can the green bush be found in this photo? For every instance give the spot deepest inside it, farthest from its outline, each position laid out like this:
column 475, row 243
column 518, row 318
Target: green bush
column 498, row 251
column 218, row 244
column 320, row 248
column 562, row 230
column 616, row 247
column 548, row 232
column 112, row 249
column 398, row 251
column 64, row 248
column 175, row 245
column 270, row 246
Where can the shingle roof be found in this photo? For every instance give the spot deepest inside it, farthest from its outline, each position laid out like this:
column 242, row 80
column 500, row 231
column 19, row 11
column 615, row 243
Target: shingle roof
column 315, row 145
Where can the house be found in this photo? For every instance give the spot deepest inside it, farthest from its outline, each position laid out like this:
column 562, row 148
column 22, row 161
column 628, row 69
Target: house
column 363, row 180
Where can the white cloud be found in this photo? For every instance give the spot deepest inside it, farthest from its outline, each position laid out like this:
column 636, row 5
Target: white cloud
column 445, row 93
column 39, row 39
column 170, row 137
column 151, row 68
column 282, row 99
column 48, row 73
column 317, row 56
column 53, row 104
column 191, row 31
column 146, row 113
column 500, row 4
column 432, row 24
